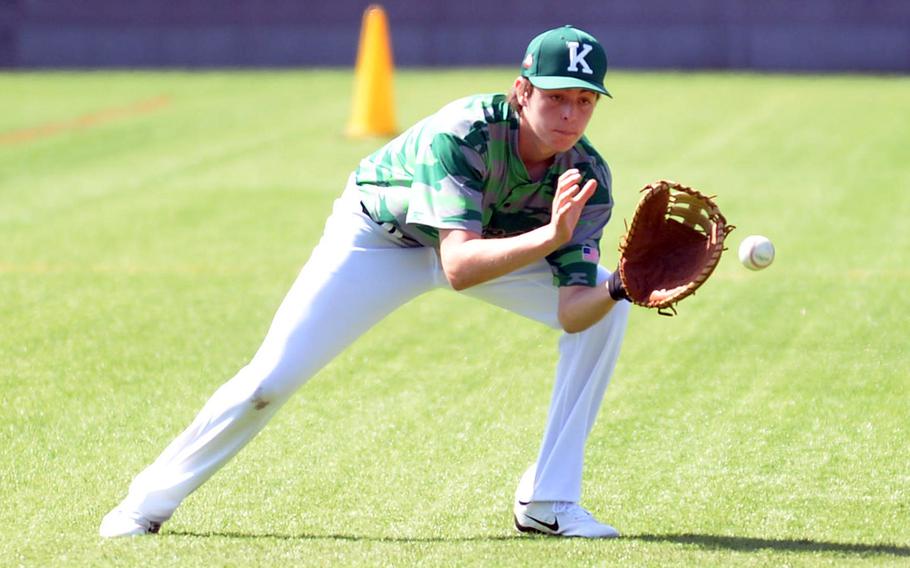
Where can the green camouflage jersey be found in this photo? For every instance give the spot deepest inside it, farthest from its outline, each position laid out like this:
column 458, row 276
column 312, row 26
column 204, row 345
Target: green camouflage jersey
column 459, row 169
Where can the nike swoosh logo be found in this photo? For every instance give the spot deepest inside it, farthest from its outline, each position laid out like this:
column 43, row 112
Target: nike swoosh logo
column 523, row 503
column 554, row 526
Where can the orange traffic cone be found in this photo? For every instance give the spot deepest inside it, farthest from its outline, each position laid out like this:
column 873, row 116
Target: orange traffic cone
column 373, row 113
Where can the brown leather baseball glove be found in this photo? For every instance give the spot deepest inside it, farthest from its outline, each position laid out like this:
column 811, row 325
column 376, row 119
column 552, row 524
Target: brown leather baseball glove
column 672, row 245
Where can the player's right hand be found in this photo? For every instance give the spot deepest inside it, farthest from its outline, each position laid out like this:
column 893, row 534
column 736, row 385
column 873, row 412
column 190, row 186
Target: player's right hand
column 568, row 203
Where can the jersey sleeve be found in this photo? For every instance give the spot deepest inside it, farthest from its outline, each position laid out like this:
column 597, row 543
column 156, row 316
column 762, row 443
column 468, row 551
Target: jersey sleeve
column 575, row 264
column 447, row 187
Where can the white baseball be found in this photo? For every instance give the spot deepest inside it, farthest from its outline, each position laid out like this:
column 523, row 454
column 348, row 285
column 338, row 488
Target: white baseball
column 756, row 252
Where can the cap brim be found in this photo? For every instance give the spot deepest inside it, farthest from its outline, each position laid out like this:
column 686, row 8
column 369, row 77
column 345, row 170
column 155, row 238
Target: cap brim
column 567, row 83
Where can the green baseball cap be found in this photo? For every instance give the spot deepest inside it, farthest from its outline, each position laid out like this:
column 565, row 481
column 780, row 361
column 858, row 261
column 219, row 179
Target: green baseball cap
column 566, row 58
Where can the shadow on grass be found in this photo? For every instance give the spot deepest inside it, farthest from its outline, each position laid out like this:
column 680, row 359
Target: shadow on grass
column 347, row 537
column 749, row 544
column 734, row 543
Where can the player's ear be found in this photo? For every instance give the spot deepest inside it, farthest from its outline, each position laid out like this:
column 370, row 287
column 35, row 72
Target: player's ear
column 522, row 90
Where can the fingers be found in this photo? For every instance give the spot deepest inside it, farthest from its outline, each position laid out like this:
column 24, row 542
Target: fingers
column 662, row 295
column 576, row 199
column 566, row 187
column 568, row 177
column 569, row 201
column 568, row 182
column 564, row 207
column 575, row 195
column 587, row 191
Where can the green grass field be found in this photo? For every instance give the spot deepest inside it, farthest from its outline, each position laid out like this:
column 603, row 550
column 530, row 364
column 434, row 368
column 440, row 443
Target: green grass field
column 151, row 223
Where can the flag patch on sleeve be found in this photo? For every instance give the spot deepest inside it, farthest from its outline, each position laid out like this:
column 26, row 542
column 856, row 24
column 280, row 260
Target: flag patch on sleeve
column 590, row 254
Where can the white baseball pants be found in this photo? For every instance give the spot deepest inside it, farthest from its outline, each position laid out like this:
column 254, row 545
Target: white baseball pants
column 357, row 275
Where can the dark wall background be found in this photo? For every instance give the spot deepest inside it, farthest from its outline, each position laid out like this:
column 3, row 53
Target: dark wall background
column 790, row 35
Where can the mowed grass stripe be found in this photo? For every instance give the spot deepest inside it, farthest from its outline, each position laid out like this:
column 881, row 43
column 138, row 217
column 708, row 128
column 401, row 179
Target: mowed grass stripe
column 91, row 120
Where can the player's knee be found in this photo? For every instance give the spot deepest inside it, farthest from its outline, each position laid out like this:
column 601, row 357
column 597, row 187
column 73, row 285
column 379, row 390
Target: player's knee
column 273, row 386
column 267, row 393
column 260, row 399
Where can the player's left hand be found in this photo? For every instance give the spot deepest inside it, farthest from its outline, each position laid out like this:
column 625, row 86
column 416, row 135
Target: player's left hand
column 662, row 295
column 671, row 246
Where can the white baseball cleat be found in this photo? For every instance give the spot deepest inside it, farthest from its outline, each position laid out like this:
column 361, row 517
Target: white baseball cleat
column 559, row 518
column 119, row 523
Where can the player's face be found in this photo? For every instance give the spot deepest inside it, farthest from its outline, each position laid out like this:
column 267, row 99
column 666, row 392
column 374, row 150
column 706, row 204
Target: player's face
column 557, row 118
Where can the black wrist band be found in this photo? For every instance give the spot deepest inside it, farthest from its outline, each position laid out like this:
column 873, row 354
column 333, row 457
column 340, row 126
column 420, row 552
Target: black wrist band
column 615, row 287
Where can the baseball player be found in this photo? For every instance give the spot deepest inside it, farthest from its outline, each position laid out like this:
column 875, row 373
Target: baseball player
column 499, row 197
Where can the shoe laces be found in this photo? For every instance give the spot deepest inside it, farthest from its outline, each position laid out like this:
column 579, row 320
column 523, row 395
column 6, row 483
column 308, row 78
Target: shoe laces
column 573, row 510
